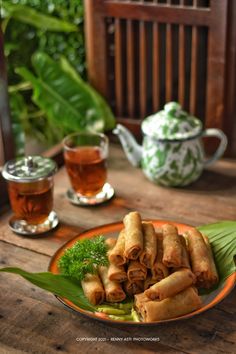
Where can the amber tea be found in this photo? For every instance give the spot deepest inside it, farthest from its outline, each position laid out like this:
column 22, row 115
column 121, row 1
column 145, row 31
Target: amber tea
column 87, row 169
column 32, row 201
column 30, row 190
column 85, row 156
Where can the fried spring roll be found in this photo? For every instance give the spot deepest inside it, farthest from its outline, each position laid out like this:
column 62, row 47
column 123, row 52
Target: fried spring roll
column 185, row 255
column 149, row 281
column 133, row 287
column 133, row 235
column 182, row 303
column 113, row 290
column 117, row 273
column 136, row 271
column 93, row 289
column 172, row 247
column 139, row 300
column 148, row 255
column 214, row 273
column 202, row 260
column 116, row 254
column 159, row 270
column 172, row 285
column 110, row 242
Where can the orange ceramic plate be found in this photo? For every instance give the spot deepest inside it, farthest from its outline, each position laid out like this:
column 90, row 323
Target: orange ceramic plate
column 112, row 230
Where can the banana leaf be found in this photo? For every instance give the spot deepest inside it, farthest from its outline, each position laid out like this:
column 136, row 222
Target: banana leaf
column 67, row 101
column 57, row 284
column 34, row 18
column 222, row 237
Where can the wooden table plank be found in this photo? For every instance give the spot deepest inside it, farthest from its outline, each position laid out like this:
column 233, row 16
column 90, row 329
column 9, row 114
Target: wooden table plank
column 34, row 321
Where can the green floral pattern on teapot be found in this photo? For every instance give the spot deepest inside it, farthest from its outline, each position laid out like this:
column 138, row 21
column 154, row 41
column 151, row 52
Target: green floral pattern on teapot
column 174, row 163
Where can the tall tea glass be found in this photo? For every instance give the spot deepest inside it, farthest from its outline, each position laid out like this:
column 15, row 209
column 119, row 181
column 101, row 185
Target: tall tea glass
column 85, row 156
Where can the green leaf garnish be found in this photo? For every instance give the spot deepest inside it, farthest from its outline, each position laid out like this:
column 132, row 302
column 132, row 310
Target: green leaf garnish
column 61, row 285
column 84, row 257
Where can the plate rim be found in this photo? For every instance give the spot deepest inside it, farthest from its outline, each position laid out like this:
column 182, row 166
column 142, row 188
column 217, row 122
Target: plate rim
column 228, row 285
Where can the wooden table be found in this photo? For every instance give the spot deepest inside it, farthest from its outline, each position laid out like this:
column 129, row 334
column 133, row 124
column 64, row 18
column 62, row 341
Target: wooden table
column 34, row 321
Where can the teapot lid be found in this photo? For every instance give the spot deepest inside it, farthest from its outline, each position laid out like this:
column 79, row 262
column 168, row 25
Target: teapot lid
column 172, row 123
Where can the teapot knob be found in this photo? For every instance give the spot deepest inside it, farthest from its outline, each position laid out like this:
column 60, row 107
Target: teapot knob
column 173, row 109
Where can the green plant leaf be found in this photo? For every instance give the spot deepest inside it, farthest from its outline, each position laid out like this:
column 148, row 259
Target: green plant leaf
column 105, row 110
column 57, row 284
column 19, row 114
column 9, row 47
column 108, row 116
column 73, row 95
column 84, row 257
column 58, row 104
column 34, row 18
column 222, row 237
column 67, row 101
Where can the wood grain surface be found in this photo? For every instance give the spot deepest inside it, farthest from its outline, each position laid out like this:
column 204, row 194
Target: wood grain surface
column 33, row 321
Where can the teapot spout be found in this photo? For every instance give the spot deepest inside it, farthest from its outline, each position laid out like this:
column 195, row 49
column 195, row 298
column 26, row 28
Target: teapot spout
column 132, row 150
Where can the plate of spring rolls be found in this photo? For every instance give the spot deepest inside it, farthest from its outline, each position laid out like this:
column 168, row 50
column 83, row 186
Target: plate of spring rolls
column 158, row 265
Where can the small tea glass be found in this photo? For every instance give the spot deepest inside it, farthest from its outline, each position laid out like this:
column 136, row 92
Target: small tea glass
column 30, row 190
column 85, row 156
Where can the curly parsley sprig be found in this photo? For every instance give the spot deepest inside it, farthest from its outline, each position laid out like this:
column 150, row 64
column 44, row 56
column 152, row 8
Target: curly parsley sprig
column 84, row 257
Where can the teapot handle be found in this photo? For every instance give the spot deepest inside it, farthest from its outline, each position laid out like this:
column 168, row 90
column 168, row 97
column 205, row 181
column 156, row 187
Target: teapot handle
column 221, row 148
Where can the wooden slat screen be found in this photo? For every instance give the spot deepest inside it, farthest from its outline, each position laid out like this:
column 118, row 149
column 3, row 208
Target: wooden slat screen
column 163, row 50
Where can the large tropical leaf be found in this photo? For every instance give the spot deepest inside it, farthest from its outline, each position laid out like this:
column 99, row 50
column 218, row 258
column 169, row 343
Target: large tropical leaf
column 108, row 116
column 68, row 102
column 34, row 18
column 57, row 284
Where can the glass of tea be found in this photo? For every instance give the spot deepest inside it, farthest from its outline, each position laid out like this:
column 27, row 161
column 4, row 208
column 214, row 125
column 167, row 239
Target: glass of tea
column 30, row 190
column 85, row 156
